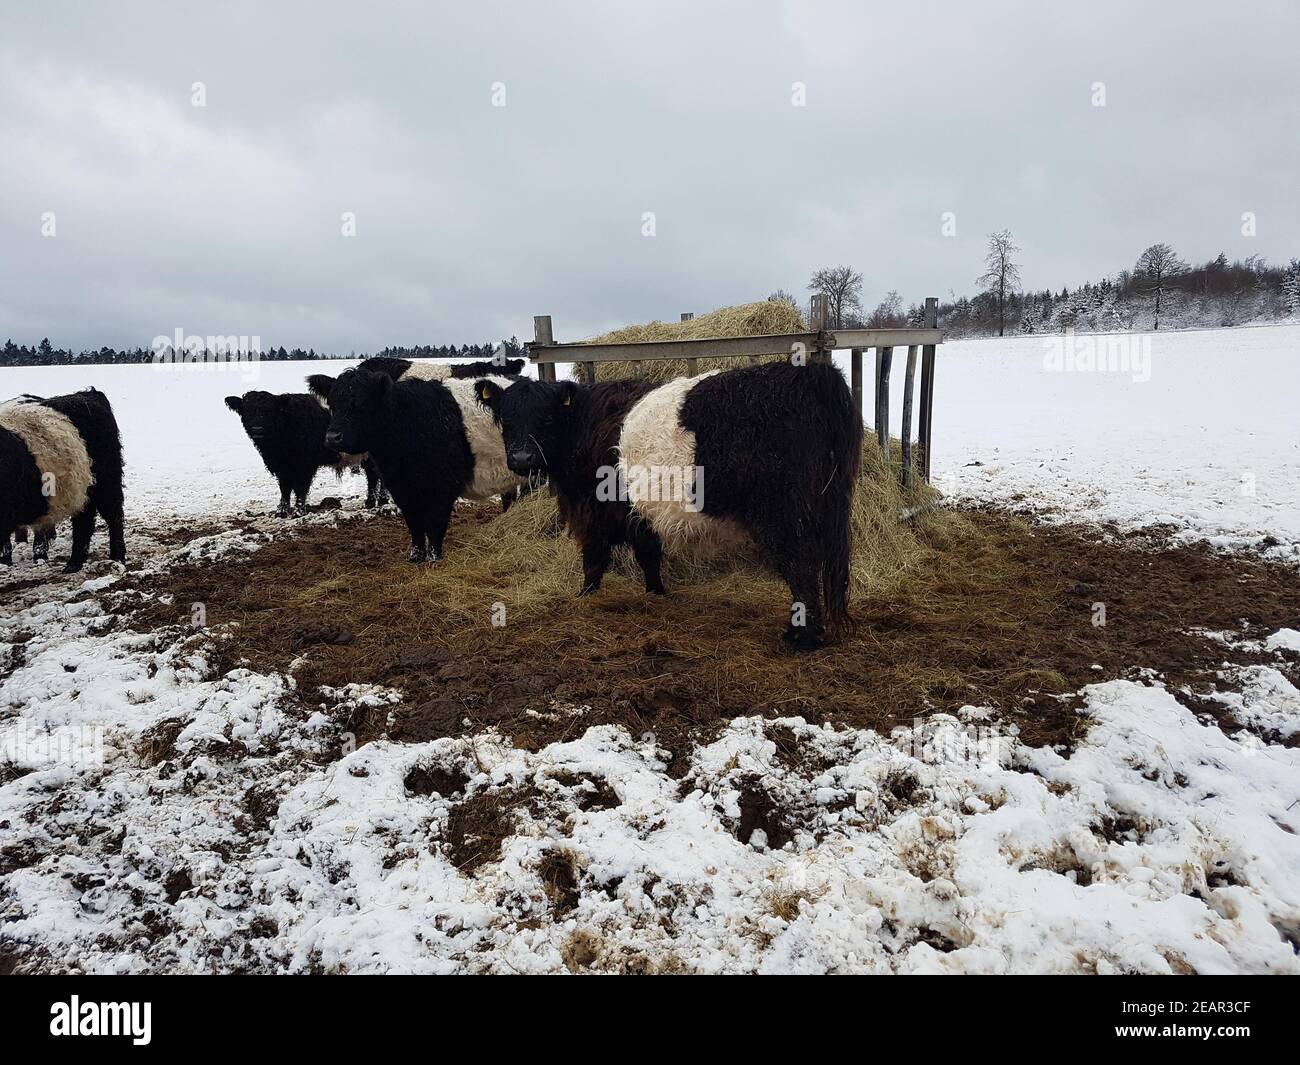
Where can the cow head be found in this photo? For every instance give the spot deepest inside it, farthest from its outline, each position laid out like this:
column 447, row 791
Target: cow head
column 535, row 419
column 262, row 413
column 357, row 400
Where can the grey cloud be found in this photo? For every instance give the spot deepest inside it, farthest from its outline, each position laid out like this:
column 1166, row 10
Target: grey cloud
column 470, row 219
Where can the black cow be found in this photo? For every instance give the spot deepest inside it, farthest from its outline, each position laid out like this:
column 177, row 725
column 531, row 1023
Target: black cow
column 424, row 370
column 767, row 452
column 60, row 458
column 431, row 440
column 289, row 433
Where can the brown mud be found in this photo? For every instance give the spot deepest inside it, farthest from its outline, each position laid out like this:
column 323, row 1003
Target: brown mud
column 1001, row 615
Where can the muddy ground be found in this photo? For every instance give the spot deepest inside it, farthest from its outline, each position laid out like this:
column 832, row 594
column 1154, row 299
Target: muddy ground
column 320, row 603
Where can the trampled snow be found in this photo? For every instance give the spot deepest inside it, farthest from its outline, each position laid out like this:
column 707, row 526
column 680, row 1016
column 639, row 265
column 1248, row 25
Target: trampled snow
column 154, row 820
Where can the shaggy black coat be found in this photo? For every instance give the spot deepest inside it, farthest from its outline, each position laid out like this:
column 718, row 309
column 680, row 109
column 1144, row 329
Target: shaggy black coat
column 780, row 446
column 321, row 385
column 395, row 368
column 22, row 502
column 289, row 434
column 414, row 432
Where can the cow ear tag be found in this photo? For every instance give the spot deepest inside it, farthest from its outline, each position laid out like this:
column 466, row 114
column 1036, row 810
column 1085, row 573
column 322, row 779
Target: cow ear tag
column 567, row 401
column 487, row 393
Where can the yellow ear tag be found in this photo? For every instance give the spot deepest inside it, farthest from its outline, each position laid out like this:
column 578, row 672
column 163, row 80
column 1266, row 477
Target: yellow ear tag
column 567, row 401
column 487, row 393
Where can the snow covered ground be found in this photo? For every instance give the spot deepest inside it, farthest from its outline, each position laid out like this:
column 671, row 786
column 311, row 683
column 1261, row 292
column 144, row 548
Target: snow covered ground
column 1194, row 429
column 1198, row 430
column 155, row 820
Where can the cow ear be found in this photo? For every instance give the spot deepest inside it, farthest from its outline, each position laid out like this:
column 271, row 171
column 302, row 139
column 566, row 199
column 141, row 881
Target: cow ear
column 235, row 403
column 514, row 366
column 320, row 384
column 488, row 393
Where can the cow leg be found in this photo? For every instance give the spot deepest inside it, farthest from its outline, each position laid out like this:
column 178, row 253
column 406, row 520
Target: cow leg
column 508, row 497
column 7, row 552
column 439, row 517
column 796, row 560
column 595, row 560
column 805, row 631
column 300, row 498
column 41, row 544
column 375, row 494
column 111, row 511
column 83, row 525
column 415, row 523
column 649, row 553
column 285, row 490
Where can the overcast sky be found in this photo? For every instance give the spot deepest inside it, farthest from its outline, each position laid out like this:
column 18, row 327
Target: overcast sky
column 470, row 218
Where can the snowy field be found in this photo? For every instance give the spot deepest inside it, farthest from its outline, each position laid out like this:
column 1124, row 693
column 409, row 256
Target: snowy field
column 1200, row 431
column 154, row 819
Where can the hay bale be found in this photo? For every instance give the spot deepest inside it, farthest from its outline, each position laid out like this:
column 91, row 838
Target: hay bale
column 523, row 559
column 763, row 318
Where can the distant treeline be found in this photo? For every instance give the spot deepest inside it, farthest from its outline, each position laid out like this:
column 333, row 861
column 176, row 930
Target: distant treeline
column 45, row 354
column 1161, row 291
column 1214, row 294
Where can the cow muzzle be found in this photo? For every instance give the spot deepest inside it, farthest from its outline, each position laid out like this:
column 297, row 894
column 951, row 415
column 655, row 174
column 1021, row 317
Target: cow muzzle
column 523, row 461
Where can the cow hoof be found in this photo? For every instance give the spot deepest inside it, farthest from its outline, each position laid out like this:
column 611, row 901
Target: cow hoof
column 660, row 590
column 416, row 555
column 283, row 512
column 70, row 568
column 803, row 639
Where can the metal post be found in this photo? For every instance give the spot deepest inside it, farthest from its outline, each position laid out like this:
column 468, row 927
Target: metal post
column 820, row 315
column 924, row 423
column 543, row 337
column 692, row 365
column 855, row 375
column 884, row 360
column 906, row 434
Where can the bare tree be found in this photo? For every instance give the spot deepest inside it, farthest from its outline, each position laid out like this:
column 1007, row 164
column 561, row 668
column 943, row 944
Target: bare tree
column 782, row 296
column 842, row 286
column 888, row 312
column 1001, row 275
column 1155, row 268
